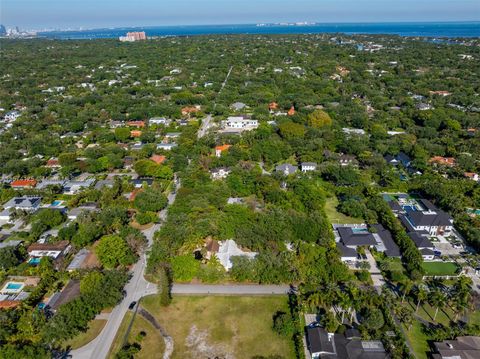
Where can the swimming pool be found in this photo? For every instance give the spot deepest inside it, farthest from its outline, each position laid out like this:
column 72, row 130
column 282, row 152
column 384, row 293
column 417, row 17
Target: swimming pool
column 13, row 287
column 359, row 230
column 34, row 261
column 56, row 203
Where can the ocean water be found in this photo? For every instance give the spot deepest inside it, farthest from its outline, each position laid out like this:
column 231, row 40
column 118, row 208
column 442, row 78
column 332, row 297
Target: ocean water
column 440, row 29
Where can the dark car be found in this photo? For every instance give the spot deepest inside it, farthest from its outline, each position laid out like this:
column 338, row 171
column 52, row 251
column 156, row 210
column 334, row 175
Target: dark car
column 132, row 305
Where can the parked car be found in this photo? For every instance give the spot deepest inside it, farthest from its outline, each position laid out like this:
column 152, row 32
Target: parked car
column 132, row 305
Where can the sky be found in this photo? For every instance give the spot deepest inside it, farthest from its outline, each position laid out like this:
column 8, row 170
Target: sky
column 40, row 14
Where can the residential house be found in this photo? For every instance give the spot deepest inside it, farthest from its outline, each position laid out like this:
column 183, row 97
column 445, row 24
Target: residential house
column 423, row 244
column 238, row 106
column 158, row 159
column 25, row 203
column 159, row 121
column 187, row 111
column 23, row 184
column 396, row 160
column 166, row 146
column 286, row 169
column 466, row 347
column 354, row 237
column 52, row 250
column 73, row 187
column 141, row 181
column 12, row 116
column 429, row 219
column 49, row 182
column 79, row 260
column 220, row 149
column 291, row 111
column 115, row 124
column 353, row 131
column 170, row 135
column 347, row 160
column 473, row 176
column 442, row 161
column 135, row 133
column 106, row 183
column 53, row 163
column 239, row 123
column 272, row 106
column 389, row 246
column 229, row 249
column 219, row 173
column 68, row 293
column 347, row 254
column 137, row 146
column 84, row 208
column 308, row 166
column 322, row 344
column 137, row 124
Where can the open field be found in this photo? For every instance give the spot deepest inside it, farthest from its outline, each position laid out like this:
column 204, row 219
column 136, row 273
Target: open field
column 336, row 217
column 228, row 327
column 152, row 344
column 440, row 268
column 94, row 329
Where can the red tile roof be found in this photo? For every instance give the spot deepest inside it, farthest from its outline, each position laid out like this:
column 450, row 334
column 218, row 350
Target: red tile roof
column 446, row 161
column 135, row 133
column 24, row 183
column 136, row 124
column 158, row 159
column 291, row 112
column 5, row 304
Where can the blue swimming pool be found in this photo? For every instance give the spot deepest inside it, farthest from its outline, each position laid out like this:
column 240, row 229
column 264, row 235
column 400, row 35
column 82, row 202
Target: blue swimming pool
column 34, row 261
column 56, row 203
column 359, row 230
column 14, row 286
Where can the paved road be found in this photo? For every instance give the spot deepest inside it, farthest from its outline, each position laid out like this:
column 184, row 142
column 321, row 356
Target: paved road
column 245, row 289
column 202, row 131
column 136, row 288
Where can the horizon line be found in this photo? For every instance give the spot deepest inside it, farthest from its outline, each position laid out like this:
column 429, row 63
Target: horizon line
column 76, row 28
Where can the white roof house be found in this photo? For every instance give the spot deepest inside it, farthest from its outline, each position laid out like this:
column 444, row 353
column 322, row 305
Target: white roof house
column 243, row 123
column 229, row 249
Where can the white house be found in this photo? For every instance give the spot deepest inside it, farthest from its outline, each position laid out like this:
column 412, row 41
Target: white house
column 166, row 146
column 240, row 123
column 159, row 121
column 229, row 249
column 26, row 203
column 12, row 116
column 286, row 169
column 52, row 250
column 219, row 173
column 73, row 187
column 308, row 166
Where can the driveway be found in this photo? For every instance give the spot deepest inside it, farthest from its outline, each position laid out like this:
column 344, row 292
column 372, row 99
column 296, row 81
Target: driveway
column 377, row 277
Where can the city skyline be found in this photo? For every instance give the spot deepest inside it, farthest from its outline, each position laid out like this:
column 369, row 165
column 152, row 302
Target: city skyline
column 109, row 13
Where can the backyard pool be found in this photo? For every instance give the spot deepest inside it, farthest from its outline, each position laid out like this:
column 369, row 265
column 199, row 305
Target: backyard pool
column 34, row 261
column 359, row 230
column 56, row 203
column 12, row 287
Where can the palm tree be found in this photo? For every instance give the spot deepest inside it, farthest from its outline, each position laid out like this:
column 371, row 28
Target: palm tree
column 421, row 294
column 437, row 299
column 405, row 316
column 406, row 287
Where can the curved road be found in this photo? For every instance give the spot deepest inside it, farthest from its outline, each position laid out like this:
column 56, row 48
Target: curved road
column 136, row 288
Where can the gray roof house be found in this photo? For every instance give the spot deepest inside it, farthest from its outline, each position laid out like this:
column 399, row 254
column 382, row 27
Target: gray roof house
column 238, row 106
column 286, row 169
column 391, row 248
column 353, row 239
column 342, row 346
column 467, row 347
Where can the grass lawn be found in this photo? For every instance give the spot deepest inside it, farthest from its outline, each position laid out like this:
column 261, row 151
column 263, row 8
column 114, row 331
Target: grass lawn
column 152, row 345
column 223, row 326
column 440, row 268
column 94, row 329
column 418, row 340
column 336, row 217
